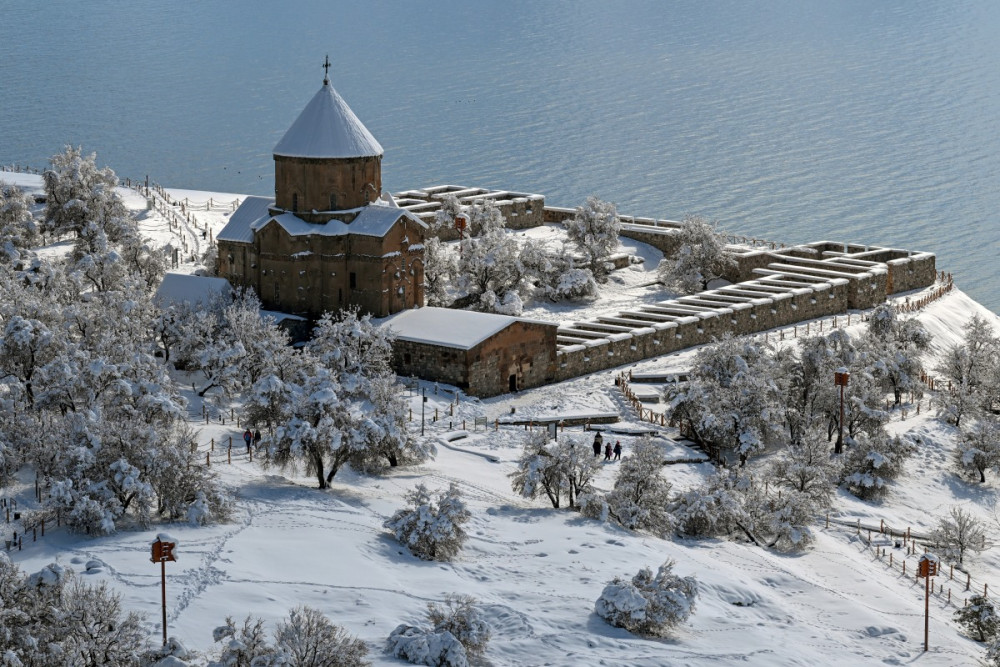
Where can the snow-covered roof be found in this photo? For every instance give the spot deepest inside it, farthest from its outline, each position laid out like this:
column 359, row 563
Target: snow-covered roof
column 462, row 329
column 253, row 214
column 372, row 220
column 327, row 128
column 181, row 287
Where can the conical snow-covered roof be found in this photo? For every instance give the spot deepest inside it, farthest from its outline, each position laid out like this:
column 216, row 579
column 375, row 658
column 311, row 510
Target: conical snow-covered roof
column 327, row 128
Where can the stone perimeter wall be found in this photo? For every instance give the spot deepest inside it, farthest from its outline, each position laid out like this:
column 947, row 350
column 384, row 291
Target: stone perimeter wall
column 667, row 337
column 871, row 274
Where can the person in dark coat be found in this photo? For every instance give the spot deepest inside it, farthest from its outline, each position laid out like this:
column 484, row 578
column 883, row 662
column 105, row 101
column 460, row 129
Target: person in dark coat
column 247, row 438
column 598, row 442
column 607, row 452
column 256, row 437
column 618, row 450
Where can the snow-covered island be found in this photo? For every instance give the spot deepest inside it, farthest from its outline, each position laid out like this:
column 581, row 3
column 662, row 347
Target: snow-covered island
column 386, row 520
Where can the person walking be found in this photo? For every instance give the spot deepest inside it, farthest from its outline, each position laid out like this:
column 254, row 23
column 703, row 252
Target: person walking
column 256, row 437
column 618, row 450
column 598, row 444
column 247, row 438
column 607, row 452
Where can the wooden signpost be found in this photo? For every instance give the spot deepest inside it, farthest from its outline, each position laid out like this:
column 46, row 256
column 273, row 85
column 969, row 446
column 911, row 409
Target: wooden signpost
column 163, row 551
column 927, row 567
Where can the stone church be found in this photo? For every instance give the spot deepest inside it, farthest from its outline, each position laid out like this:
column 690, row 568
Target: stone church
column 329, row 238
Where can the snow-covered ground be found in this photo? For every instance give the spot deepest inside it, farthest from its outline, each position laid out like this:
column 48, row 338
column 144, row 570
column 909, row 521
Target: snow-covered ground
column 536, row 570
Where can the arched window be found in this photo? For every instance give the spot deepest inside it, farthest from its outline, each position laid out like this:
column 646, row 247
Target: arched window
column 295, row 202
column 333, row 202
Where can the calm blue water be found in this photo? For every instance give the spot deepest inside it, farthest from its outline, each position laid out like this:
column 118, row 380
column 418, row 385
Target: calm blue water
column 797, row 120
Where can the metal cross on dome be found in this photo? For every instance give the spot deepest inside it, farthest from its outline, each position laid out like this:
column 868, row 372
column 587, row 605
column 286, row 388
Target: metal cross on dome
column 326, row 69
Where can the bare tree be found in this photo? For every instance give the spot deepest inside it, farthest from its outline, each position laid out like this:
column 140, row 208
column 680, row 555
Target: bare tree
column 958, row 533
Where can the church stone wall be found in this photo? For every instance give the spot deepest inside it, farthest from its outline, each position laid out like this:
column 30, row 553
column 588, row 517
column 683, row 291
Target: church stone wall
column 311, row 274
column 353, row 182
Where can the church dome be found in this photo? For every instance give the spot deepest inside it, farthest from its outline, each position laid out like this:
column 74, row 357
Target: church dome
column 327, row 128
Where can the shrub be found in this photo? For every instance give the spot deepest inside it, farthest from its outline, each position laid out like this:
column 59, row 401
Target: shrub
column 459, row 631
column 979, row 619
column 431, row 527
column 649, row 606
column 306, row 639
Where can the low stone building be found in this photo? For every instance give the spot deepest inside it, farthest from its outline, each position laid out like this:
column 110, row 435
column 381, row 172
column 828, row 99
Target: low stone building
column 328, row 239
column 480, row 353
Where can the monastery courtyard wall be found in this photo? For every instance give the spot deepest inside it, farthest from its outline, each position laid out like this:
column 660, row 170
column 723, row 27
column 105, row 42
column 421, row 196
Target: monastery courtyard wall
column 773, row 286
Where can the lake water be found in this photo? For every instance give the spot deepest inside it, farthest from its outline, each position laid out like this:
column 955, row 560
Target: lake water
column 794, row 120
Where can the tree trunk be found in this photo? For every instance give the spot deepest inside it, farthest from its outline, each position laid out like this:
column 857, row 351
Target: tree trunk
column 324, row 481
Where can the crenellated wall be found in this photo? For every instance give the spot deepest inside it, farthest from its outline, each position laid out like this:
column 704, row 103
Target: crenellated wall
column 659, row 338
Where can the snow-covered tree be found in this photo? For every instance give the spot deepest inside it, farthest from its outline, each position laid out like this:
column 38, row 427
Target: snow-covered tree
column 641, row 495
column 648, row 605
column 958, row 533
column 871, row 463
column 267, row 346
column 18, row 230
column 979, row 619
column 782, row 520
column 806, row 468
column 490, row 273
column 341, row 405
column 51, row 618
column 732, row 401
column 594, row 230
column 77, row 193
column 236, row 345
column 359, row 354
column 896, row 345
column 716, row 508
column 95, row 630
column 320, row 430
column 431, row 526
column 812, row 398
column 556, row 469
column 972, row 370
column 556, row 276
column 700, row 258
column 444, row 217
column 979, row 448
column 440, row 269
